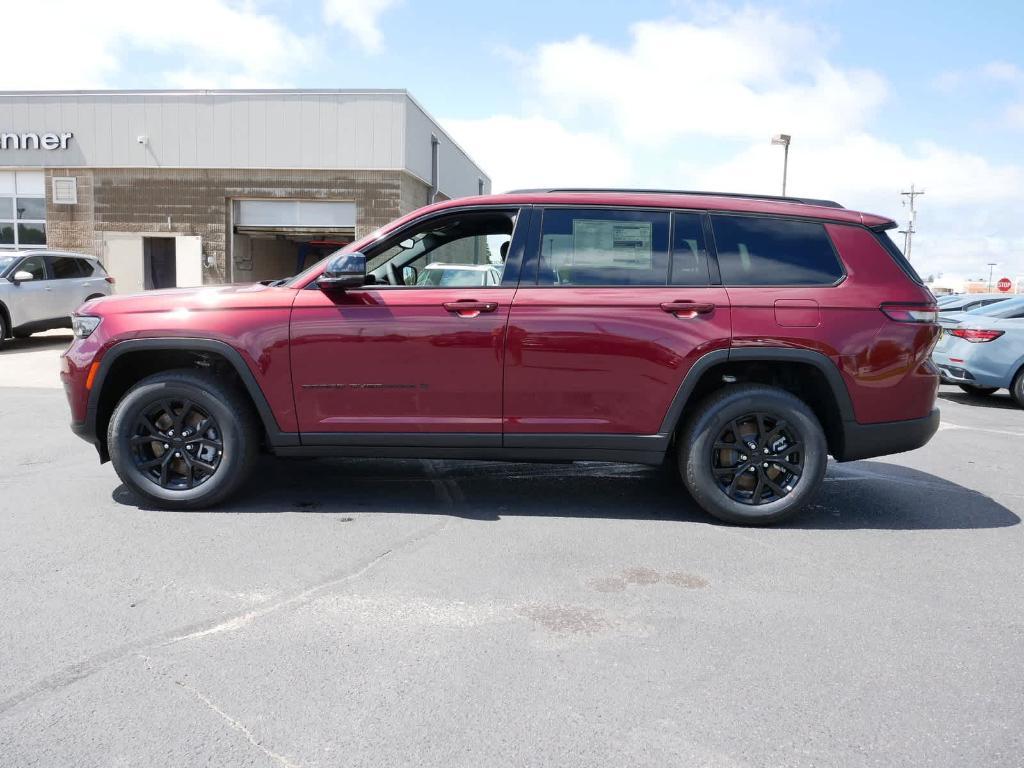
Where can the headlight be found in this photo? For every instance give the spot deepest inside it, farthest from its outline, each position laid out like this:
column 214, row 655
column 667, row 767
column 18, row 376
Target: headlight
column 83, row 325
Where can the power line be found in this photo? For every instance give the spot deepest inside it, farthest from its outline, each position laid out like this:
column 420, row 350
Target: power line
column 908, row 233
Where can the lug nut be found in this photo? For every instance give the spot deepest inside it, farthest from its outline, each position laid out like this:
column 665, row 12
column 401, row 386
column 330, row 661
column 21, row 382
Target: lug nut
column 765, row 465
column 743, row 457
column 177, row 455
column 166, row 446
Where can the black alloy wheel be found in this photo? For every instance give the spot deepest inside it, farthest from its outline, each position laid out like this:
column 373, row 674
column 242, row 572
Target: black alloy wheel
column 752, row 454
column 757, row 458
column 184, row 439
column 176, row 444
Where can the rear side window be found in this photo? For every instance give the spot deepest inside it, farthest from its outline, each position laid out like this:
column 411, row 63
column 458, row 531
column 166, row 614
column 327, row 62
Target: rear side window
column 773, row 251
column 67, row 267
column 593, row 246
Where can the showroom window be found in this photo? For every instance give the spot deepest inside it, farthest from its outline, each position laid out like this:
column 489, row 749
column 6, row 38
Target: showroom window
column 22, row 210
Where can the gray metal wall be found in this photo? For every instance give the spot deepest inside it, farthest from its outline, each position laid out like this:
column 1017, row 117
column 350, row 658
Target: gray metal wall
column 358, row 130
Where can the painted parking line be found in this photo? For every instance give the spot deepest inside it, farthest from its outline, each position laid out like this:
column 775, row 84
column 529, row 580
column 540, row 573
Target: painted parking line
column 943, row 425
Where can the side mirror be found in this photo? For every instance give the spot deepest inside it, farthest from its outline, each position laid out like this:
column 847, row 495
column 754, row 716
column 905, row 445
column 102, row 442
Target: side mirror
column 409, row 275
column 346, row 270
column 21, row 276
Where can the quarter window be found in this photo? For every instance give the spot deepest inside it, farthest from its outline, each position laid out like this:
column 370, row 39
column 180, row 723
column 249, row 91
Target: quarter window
column 603, row 247
column 756, row 250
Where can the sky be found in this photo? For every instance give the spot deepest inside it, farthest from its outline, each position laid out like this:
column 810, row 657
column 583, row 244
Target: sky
column 685, row 95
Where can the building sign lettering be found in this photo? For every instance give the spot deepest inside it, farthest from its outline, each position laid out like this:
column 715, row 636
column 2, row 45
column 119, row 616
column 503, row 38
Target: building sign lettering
column 47, row 141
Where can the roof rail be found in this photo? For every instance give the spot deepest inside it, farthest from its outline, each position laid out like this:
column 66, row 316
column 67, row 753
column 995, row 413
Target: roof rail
column 777, row 198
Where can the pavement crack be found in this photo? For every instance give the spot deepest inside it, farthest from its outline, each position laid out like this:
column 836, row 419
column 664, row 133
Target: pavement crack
column 72, row 673
column 234, row 723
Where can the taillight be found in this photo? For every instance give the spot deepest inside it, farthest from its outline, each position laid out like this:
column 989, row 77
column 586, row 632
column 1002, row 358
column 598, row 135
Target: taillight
column 110, row 280
column 911, row 313
column 975, row 335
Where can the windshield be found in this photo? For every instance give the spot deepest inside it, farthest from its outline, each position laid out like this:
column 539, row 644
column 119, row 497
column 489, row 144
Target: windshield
column 6, row 262
column 1006, row 308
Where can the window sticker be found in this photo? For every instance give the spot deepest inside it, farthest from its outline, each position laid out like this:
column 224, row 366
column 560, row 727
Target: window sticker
column 610, row 243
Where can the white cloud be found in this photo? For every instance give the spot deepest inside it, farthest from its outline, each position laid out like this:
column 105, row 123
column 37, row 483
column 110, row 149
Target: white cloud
column 361, row 18
column 537, row 152
column 89, row 45
column 751, row 74
column 693, row 104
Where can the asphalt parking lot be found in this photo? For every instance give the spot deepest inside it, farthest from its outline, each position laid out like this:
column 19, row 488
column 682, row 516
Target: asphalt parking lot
column 442, row 613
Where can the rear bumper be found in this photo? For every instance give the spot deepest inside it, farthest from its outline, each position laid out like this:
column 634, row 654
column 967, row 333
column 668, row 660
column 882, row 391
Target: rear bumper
column 863, row 441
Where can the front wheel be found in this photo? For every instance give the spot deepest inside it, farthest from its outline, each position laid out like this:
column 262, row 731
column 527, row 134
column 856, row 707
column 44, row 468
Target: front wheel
column 183, row 439
column 753, row 454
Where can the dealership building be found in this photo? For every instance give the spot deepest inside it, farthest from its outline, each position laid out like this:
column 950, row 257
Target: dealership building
column 180, row 188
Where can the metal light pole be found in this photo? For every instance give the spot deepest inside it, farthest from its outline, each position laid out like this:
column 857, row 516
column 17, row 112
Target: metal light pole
column 783, row 139
column 991, row 265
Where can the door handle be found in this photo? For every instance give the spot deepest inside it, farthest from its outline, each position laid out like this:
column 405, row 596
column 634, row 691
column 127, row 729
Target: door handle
column 687, row 310
column 470, row 307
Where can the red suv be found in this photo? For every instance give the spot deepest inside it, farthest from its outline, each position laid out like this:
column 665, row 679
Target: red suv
column 739, row 338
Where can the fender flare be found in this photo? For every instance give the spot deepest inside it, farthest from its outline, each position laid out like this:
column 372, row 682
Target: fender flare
column 759, row 354
column 234, row 358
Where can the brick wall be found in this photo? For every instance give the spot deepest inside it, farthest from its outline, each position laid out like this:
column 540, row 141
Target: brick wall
column 197, row 202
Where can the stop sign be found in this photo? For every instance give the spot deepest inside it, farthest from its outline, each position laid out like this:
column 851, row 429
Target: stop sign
column 1004, row 284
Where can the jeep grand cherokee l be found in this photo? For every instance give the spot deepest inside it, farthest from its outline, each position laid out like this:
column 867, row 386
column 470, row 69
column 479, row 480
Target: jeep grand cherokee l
column 741, row 338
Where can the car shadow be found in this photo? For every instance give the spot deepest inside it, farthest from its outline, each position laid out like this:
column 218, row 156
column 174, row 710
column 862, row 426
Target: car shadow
column 860, row 495
column 36, row 343
column 995, row 400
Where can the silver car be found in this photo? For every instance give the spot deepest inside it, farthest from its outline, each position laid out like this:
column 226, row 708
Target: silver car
column 983, row 350
column 40, row 289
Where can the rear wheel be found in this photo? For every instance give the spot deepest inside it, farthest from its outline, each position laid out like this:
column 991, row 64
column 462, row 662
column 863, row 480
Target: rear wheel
column 752, row 454
column 183, row 440
column 971, row 389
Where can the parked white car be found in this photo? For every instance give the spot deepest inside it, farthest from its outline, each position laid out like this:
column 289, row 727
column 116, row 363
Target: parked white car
column 40, row 289
column 449, row 275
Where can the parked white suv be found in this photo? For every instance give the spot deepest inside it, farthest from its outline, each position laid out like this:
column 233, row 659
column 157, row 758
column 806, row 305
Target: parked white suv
column 40, row 289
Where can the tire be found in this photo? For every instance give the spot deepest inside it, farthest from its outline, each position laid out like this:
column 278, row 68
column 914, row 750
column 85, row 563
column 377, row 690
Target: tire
column 1017, row 388
column 229, row 445
column 4, row 330
column 704, row 468
column 971, row 389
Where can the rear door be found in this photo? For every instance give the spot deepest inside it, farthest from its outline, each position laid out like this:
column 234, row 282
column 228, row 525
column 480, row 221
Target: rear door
column 622, row 303
column 71, row 281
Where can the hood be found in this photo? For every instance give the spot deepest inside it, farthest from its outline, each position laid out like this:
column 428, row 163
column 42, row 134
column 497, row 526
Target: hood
column 211, row 297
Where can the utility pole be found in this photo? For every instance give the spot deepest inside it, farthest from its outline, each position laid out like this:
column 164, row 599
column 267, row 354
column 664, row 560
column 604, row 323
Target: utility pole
column 783, row 140
column 908, row 233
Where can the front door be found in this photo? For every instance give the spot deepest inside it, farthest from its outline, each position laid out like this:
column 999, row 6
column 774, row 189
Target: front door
column 33, row 300
column 624, row 303
column 418, row 352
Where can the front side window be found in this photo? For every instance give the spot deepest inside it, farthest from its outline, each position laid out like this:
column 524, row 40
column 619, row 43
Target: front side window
column 33, row 265
column 598, row 247
column 755, row 250
column 462, row 251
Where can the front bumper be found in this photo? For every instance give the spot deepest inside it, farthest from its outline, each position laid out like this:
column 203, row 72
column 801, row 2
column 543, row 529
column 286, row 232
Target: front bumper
column 864, row 441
